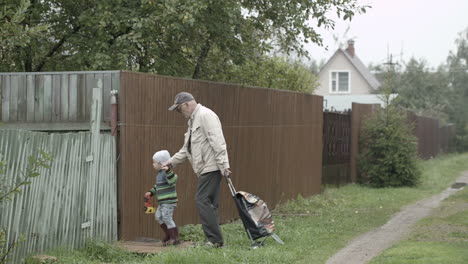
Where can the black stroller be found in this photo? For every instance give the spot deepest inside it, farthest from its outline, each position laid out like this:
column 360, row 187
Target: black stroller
column 255, row 216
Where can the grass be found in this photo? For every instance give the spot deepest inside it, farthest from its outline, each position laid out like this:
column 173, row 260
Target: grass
column 312, row 228
column 441, row 238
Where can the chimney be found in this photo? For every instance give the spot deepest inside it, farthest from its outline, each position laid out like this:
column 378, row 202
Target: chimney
column 350, row 48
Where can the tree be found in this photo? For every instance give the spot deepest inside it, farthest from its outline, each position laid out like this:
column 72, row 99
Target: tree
column 458, row 87
column 423, row 91
column 388, row 149
column 177, row 37
column 15, row 34
column 275, row 72
column 315, row 66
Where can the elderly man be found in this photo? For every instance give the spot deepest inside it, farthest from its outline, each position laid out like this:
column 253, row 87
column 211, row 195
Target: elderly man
column 205, row 148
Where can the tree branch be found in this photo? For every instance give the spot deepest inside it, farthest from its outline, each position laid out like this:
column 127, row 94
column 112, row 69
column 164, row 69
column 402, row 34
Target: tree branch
column 201, row 59
column 55, row 48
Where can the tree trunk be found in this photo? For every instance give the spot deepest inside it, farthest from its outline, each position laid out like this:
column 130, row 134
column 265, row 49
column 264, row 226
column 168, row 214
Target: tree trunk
column 28, row 60
column 201, row 59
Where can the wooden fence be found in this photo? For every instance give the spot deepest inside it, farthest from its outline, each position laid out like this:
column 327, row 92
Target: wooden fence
column 53, row 100
column 66, row 204
column 274, row 141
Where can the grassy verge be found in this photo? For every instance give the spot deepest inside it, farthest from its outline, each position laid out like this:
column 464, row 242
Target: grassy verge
column 441, row 238
column 313, row 228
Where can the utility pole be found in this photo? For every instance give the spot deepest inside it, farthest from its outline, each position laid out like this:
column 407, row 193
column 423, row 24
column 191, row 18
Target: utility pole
column 390, row 68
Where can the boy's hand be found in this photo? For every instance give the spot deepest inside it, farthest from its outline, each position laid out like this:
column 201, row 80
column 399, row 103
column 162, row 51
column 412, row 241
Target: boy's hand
column 165, row 167
column 148, row 195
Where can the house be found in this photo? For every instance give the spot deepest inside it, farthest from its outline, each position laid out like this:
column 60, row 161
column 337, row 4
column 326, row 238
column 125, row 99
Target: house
column 345, row 79
column 344, row 73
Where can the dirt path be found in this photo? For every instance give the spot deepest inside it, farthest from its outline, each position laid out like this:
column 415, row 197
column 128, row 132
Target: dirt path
column 365, row 247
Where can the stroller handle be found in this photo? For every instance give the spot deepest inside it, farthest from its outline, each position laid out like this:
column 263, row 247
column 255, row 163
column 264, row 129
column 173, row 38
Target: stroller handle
column 230, row 185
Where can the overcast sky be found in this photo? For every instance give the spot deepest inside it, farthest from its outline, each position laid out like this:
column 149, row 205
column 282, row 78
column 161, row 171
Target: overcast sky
column 420, row 28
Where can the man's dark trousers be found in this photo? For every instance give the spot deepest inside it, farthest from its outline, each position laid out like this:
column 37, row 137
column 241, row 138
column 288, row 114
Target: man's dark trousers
column 207, row 198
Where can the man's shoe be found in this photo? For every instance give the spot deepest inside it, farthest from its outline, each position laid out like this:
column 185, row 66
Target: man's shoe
column 214, row 245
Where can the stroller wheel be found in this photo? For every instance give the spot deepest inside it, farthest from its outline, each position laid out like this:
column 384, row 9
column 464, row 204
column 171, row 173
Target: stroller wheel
column 256, row 245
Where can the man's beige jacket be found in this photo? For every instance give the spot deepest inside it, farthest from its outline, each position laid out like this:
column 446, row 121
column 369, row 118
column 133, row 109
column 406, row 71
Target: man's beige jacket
column 207, row 144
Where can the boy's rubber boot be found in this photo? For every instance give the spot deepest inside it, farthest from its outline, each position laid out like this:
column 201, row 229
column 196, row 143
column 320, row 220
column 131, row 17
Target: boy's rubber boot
column 173, row 237
column 166, row 232
column 176, row 236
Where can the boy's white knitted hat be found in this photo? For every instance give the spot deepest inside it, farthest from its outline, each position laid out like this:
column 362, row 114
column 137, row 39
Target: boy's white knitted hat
column 161, row 156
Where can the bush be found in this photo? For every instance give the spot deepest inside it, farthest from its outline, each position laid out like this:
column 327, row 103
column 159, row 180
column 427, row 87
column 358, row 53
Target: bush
column 388, row 149
column 192, row 233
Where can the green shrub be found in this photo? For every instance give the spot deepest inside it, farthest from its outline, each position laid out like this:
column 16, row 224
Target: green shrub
column 388, row 149
column 192, row 233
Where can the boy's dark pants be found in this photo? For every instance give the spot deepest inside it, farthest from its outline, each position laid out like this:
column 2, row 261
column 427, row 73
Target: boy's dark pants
column 207, row 198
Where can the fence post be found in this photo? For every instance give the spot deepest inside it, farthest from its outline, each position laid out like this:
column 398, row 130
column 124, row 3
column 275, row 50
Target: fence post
column 93, row 172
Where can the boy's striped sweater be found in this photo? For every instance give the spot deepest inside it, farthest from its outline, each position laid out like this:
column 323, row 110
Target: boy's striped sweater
column 165, row 187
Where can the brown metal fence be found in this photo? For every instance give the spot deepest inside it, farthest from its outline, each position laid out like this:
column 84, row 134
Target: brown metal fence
column 447, row 136
column 428, row 134
column 336, row 148
column 274, row 143
column 337, row 169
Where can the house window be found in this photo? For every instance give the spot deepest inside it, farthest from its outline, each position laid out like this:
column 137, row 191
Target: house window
column 340, row 82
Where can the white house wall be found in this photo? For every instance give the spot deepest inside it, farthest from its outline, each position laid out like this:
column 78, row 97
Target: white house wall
column 339, row 62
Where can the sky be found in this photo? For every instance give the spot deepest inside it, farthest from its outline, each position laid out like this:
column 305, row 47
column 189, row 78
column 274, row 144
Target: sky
column 424, row 29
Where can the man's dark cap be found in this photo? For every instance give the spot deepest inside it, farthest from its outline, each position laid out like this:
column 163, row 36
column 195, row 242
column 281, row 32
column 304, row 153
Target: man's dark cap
column 181, row 98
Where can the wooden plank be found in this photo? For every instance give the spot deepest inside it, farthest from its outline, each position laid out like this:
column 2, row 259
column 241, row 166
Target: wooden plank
column 2, row 84
column 115, row 81
column 106, row 88
column 39, row 99
column 47, row 98
column 100, row 76
column 95, row 120
column 73, row 97
column 81, row 98
column 6, row 99
column 46, row 126
column 14, row 84
column 91, row 83
column 56, row 96
column 64, row 101
column 22, row 98
column 152, row 247
column 31, row 84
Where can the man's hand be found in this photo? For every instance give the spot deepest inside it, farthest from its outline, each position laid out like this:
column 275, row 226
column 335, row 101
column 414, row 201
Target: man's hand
column 166, row 166
column 226, row 172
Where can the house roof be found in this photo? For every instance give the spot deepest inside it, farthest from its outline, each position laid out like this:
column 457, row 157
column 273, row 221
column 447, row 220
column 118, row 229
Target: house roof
column 360, row 67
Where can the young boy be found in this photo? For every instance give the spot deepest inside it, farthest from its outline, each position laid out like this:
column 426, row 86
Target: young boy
column 165, row 190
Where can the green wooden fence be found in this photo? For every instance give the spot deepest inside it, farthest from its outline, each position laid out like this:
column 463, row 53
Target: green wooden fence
column 73, row 200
